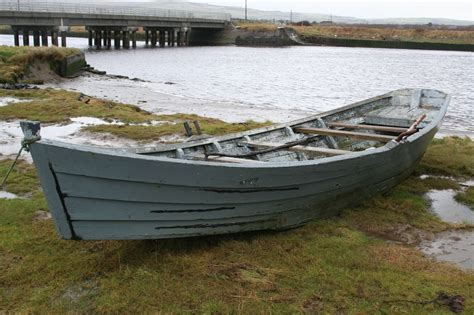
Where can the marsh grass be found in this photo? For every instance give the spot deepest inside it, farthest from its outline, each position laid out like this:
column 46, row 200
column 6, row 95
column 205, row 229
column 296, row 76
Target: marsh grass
column 372, row 33
column 388, row 33
column 258, row 27
column 337, row 265
column 15, row 61
column 146, row 133
column 58, row 106
column 466, row 197
column 450, row 156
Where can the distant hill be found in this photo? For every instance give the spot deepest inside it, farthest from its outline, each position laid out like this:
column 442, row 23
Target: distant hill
column 238, row 13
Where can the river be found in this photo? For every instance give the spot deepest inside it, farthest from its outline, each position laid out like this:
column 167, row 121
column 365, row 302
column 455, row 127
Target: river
column 277, row 84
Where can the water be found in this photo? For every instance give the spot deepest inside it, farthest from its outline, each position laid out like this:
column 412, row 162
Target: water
column 11, row 135
column 448, row 209
column 7, row 195
column 4, row 101
column 452, row 246
column 278, row 84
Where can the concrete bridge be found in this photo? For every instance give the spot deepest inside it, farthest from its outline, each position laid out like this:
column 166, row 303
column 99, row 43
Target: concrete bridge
column 105, row 23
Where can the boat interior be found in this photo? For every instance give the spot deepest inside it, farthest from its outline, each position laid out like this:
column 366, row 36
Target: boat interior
column 357, row 127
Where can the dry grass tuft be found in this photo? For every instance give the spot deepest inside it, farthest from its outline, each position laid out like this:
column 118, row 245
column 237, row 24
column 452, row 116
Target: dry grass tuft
column 15, row 61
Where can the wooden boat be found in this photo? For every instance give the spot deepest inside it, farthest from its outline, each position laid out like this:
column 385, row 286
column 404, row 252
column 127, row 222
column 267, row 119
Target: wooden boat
column 272, row 178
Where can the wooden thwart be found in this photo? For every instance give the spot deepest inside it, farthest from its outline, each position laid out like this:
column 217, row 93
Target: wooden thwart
column 368, row 127
column 230, row 159
column 341, row 133
column 298, row 148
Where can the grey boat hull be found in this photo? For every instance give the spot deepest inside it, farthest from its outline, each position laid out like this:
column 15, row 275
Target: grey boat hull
column 97, row 194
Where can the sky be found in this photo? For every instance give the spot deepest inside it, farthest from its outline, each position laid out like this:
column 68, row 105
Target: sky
column 456, row 9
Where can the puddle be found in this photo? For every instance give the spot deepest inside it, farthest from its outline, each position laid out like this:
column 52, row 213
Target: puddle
column 469, row 183
column 7, row 195
column 4, row 101
column 448, row 209
column 11, row 135
column 453, row 246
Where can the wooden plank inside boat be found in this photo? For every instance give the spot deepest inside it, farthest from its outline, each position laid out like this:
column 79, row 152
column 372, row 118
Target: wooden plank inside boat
column 298, row 148
column 367, row 127
column 341, row 133
column 230, row 159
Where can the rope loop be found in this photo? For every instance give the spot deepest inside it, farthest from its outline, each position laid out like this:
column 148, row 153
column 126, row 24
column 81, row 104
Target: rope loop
column 25, row 145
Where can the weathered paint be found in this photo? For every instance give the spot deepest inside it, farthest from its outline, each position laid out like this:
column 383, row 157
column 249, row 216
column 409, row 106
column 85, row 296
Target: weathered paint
column 97, row 193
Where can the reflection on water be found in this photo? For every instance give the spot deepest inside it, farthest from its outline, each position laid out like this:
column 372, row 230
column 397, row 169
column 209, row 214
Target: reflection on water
column 448, row 209
column 275, row 83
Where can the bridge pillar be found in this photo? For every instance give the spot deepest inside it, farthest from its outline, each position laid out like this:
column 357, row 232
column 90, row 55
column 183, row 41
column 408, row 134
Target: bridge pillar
column 97, row 39
column 134, row 39
column 54, row 38
column 162, row 38
column 117, row 39
column 63, row 38
column 16, row 35
column 181, row 37
column 170, row 37
column 91, row 37
column 44, row 38
column 36, row 38
column 154, row 38
column 26, row 38
column 126, row 39
column 104, row 37
column 175, row 37
column 109, row 39
column 186, row 38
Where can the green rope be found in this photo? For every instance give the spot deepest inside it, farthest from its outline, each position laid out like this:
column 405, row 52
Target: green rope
column 25, row 145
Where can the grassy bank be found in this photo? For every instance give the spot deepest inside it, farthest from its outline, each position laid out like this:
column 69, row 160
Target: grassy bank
column 387, row 33
column 339, row 265
column 58, row 106
column 377, row 36
column 21, row 63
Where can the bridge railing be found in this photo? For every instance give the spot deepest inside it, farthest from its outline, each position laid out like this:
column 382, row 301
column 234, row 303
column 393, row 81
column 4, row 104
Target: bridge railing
column 104, row 9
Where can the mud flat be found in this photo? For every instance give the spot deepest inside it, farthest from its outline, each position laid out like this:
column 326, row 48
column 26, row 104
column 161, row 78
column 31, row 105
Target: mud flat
column 148, row 97
column 452, row 246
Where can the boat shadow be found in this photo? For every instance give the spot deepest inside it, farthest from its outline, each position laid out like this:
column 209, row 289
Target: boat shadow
column 132, row 250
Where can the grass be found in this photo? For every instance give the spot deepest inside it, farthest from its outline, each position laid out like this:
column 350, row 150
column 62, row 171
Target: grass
column 414, row 34
column 460, row 162
column 466, row 197
column 145, row 133
column 58, row 106
column 15, row 62
column 388, row 33
column 338, row 265
column 258, row 27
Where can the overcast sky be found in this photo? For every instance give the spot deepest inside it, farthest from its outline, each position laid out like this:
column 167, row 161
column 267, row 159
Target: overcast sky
column 456, row 9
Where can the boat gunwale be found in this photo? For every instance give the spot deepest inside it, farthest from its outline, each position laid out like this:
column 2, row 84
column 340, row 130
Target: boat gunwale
column 136, row 154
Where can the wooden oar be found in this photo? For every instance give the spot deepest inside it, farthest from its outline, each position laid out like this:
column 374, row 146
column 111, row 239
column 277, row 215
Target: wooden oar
column 412, row 130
